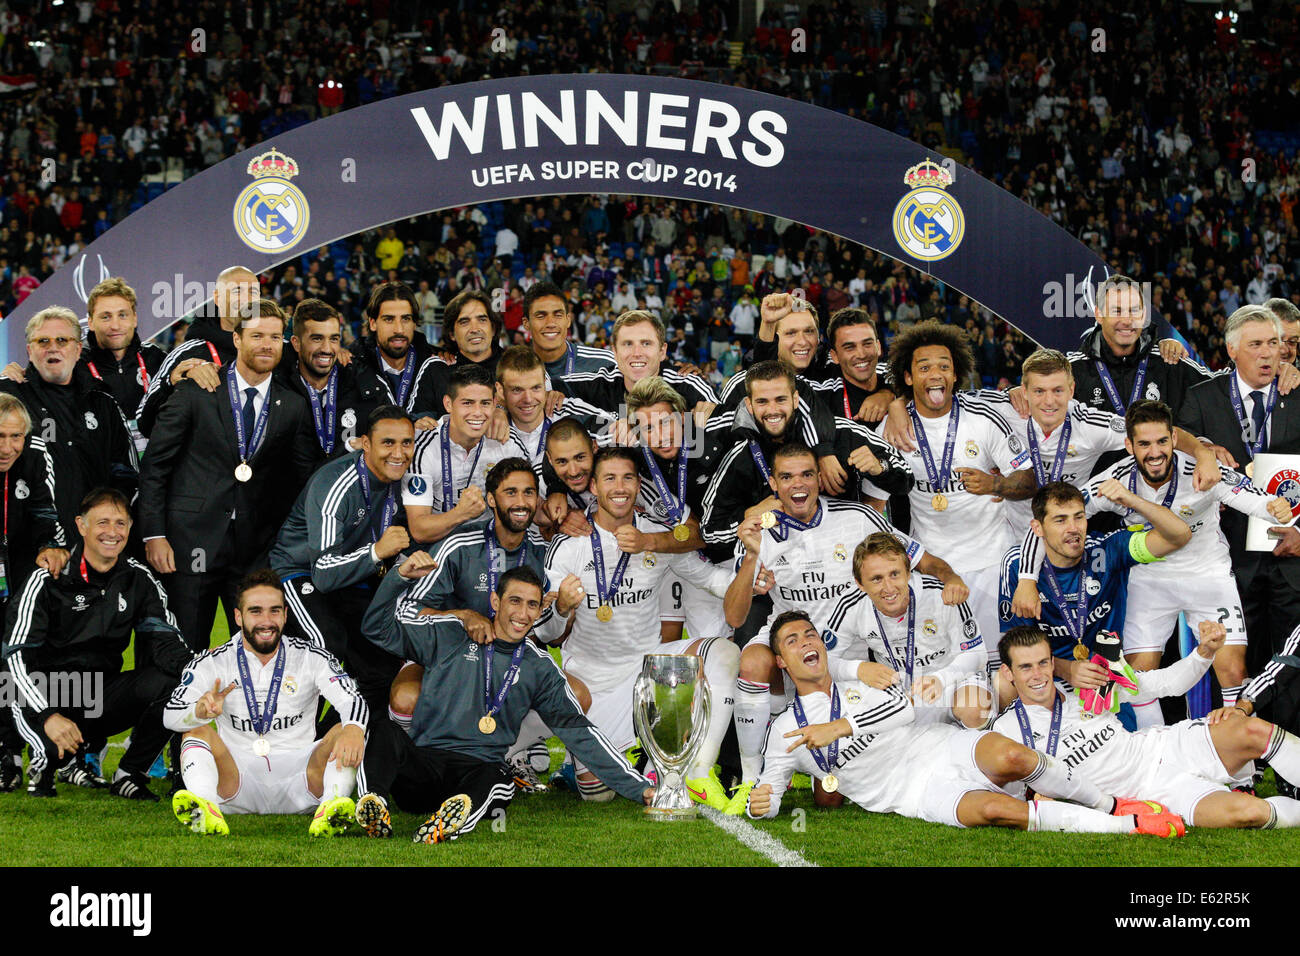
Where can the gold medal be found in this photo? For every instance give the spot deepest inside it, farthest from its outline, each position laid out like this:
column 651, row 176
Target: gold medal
column 604, row 614
column 261, row 747
column 939, row 503
column 487, row 724
column 830, row 783
column 681, row 532
column 768, row 520
column 1081, row 651
column 1250, row 469
column 243, row 472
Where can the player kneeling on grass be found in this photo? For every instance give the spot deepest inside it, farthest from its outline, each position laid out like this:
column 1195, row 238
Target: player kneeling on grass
column 939, row 772
column 473, row 699
column 1189, row 766
column 254, row 750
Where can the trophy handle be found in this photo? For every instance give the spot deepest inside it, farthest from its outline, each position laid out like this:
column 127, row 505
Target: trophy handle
column 701, row 708
column 643, row 695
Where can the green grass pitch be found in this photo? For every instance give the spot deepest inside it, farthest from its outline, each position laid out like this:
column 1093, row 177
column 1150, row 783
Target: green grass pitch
column 91, row 828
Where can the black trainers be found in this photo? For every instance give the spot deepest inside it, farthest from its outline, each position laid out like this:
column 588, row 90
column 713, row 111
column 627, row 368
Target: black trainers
column 11, row 771
column 1285, row 788
column 40, row 783
column 78, row 774
column 133, row 786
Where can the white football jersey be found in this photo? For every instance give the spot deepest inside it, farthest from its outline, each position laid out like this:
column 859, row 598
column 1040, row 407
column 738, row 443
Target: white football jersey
column 813, row 568
column 310, row 672
column 603, row 654
column 1093, row 433
column 972, row 531
column 947, row 638
column 422, row 485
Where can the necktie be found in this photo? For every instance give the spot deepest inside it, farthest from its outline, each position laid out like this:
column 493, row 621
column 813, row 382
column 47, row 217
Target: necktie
column 1257, row 414
column 249, row 417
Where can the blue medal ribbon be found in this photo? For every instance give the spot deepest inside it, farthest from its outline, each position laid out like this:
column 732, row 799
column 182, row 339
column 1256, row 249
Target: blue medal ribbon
column 674, row 513
column 1058, row 463
column 606, row 594
column 1173, row 483
column 448, row 485
column 786, row 523
column 759, row 460
column 390, row 500
column 938, row 476
column 322, row 410
column 492, row 702
column 1255, row 446
column 570, row 357
column 825, row 761
column 262, row 717
column 1075, row 615
column 909, row 649
column 248, row 445
column 1112, row 392
column 403, row 382
column 490, row 536
column 1053, row 732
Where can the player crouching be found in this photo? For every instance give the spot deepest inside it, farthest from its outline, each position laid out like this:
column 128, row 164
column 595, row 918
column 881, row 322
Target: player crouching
column 255, row 751
column 939, row 772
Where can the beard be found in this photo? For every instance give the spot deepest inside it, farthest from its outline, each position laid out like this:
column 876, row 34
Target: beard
column 264, row 645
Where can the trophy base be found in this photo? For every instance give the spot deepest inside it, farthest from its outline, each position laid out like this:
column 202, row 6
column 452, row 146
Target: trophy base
column 671, row 814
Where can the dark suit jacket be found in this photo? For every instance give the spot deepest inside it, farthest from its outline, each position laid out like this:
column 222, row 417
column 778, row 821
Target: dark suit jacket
column 188, row 489
column 1207, row 412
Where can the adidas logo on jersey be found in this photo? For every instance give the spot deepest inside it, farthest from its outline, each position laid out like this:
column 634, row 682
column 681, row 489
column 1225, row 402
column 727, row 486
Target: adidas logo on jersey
column 781, row 562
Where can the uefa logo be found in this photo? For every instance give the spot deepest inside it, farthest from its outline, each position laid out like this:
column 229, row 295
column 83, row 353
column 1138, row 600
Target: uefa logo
column 271, row 215
column 928, row 222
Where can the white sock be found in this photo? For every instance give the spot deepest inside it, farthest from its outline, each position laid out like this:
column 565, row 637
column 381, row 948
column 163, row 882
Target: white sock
column 1055, row 816
column 1286, row 813
column 1148, row 715
column 721, row 665
column 532, row 730
column 336, row 782
column 1283, row 754
column 777, row 698
column 1230, row 694
column 1051, row 779
column 750, row 714
column 402, row 720
column 199, row 769
column 592, row 790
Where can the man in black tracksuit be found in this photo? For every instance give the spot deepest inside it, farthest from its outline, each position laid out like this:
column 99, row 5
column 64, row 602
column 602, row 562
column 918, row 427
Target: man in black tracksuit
column 32, row 538
column 453, row 759
column 339, row 537
column 64, row 641
column 83, row 428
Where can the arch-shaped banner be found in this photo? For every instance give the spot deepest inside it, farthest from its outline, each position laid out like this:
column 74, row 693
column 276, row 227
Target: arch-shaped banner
column 590, row 133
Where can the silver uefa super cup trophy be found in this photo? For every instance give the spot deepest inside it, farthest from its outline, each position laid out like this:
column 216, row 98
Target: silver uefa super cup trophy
column 670, row 708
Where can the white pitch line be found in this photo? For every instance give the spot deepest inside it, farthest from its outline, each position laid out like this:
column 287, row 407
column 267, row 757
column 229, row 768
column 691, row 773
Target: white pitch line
column 755, row 839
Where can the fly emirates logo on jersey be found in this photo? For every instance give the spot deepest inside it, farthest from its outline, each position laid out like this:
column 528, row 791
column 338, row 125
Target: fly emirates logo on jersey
column 1060, row 630
column 811, row 585
column 244, row 725
column 1080, row 744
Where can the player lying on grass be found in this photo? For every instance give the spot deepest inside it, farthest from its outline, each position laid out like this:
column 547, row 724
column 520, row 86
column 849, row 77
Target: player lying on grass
column 254, row 751
column 473, row 699
column 1188, row 766
column 938, row 772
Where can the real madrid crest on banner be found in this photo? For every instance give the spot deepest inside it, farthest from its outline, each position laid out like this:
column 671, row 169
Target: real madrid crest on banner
column 928, row 223
column 271, row 215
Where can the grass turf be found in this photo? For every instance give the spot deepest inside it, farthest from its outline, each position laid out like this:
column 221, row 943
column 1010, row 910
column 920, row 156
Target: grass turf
column 80, row 828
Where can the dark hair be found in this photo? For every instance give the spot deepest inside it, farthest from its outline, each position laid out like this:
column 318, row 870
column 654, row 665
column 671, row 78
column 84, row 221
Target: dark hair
column 390, row 292
column 613, row 453
column 452, row 312
column 519, row 359
column 522, row 573
column 504, row 469
column 1145, row 412
column 562, row 429
column 385, row 413
column 1054, row 492
column 542, row 290
column 313, row 310
column 261, row 309
column 847, row 318
column 1023, row 635
column 780, row 621
column 931, row 333
column 463, row 376
column 261, row 578
column 794, row 448
column 768, row 371
column 104, row 495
